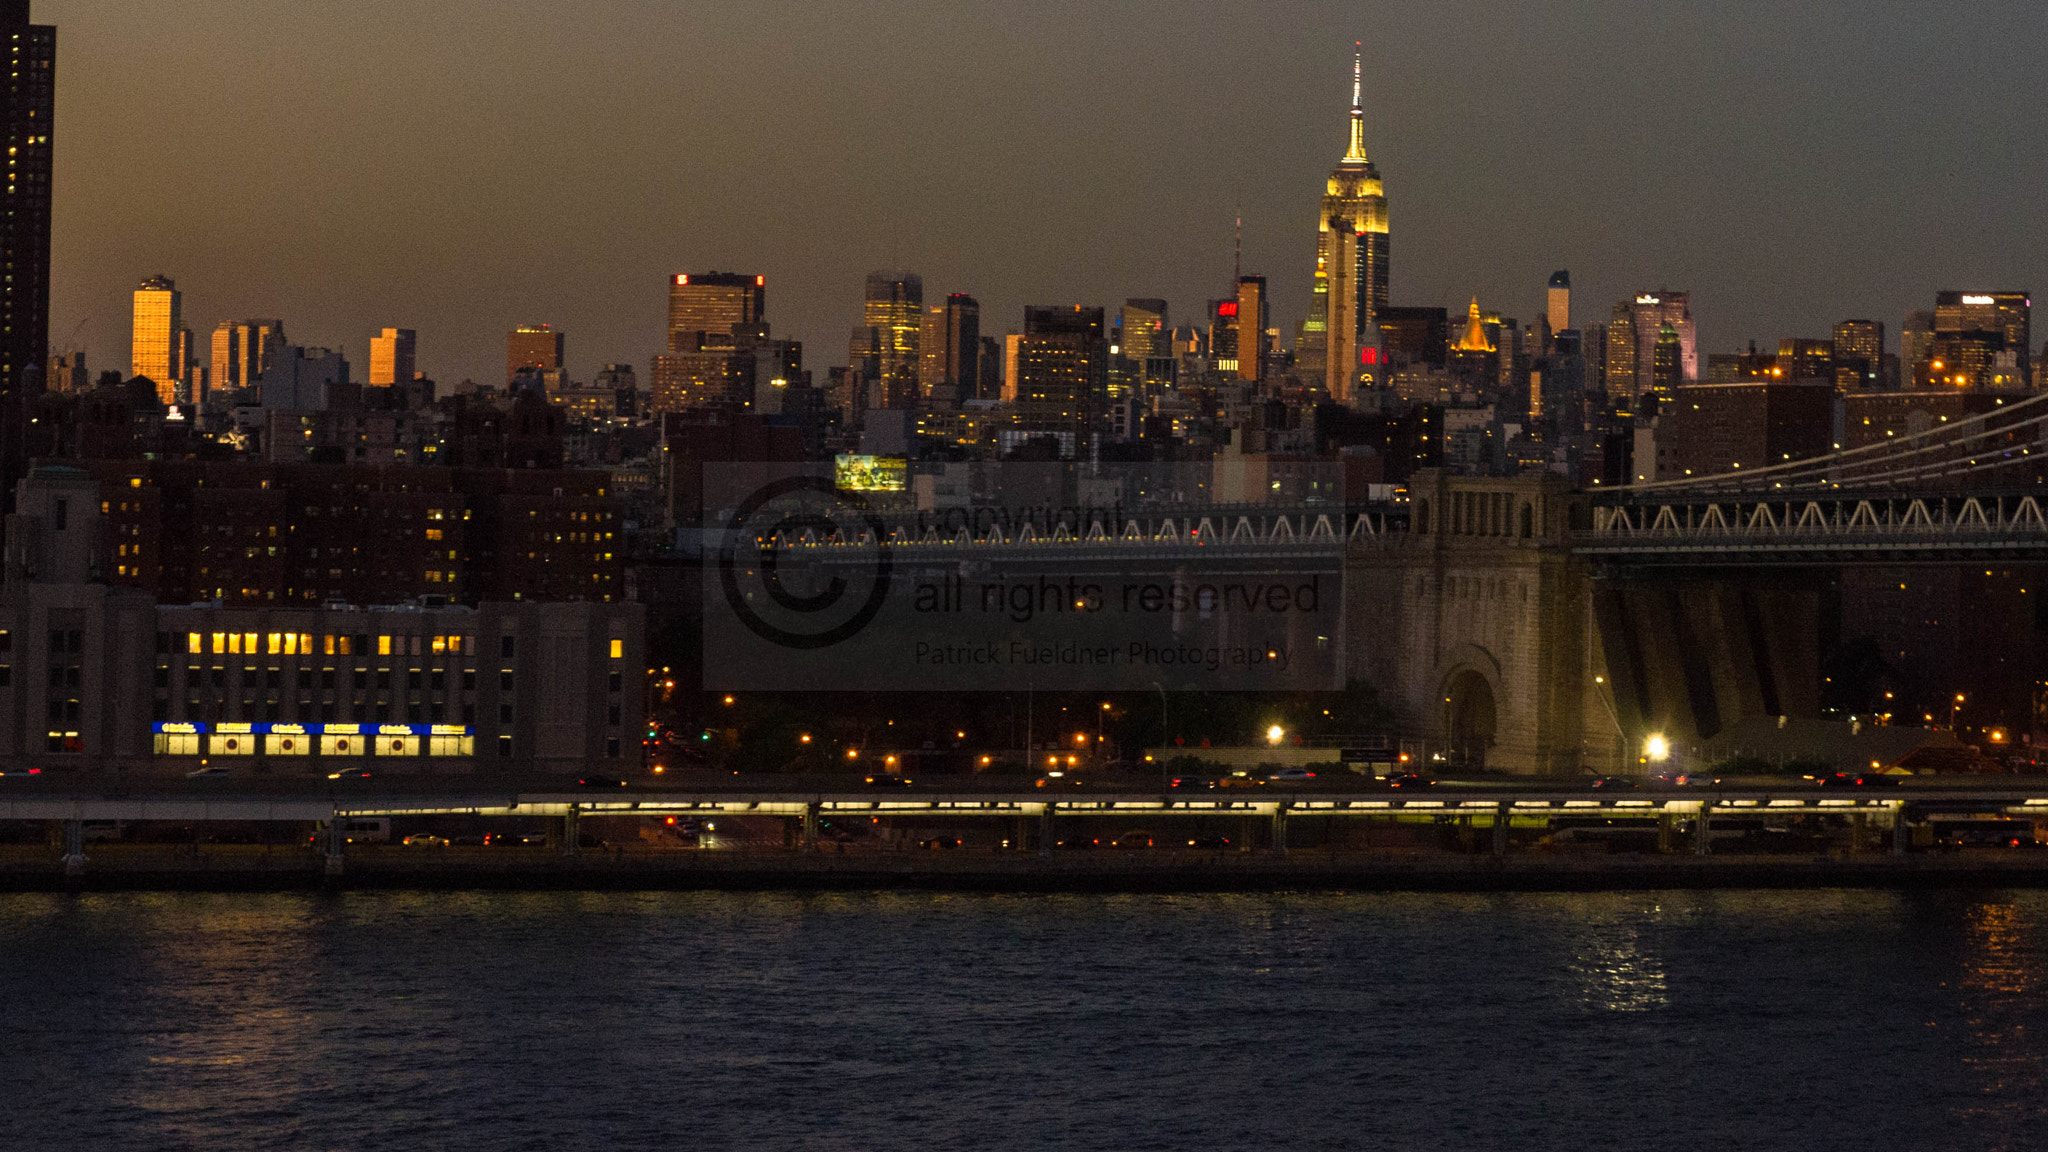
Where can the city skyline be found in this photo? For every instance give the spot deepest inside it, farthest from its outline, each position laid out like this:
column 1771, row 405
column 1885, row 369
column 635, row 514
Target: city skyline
column 448, row 228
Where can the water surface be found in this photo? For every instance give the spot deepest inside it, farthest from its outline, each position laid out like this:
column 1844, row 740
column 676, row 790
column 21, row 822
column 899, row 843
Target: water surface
column 1811, row 1020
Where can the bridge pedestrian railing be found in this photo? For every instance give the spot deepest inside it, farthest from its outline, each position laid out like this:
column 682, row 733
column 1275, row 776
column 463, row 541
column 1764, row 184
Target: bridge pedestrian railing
column 1833, row 523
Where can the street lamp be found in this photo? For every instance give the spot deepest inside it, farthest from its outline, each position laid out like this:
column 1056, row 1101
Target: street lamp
column 1656, row 748
column 1275, row 734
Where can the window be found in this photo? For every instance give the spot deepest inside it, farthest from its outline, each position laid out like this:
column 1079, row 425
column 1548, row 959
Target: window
column 504, row 747
column 611, row 747
column 507, row 647
column 617, row 681
column 618, row 649
column 469, row 679
column 505, row 680
column 383, row 645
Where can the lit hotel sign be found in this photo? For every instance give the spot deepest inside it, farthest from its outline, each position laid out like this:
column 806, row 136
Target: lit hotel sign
column 1978, row 300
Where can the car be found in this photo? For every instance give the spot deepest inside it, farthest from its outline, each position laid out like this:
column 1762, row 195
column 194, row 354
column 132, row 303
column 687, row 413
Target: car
column 600, row 782
column 1079, row 842
column 1060, row 780
column 1409, row 780
column 886, row 781
column 206, row 773
column 350, row 774
column 1133, row 839
column 1290, row 776
column 21, row 772
column 1858, row 780
column 1688, row 780
column 1187, row 783
column 425, row 840
column 1239, row 780
column 1615, row 783
column 940, row 842
column 1213, row 843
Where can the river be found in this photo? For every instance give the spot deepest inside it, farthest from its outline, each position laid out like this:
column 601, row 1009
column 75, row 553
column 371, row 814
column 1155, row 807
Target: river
column 1798, row 1020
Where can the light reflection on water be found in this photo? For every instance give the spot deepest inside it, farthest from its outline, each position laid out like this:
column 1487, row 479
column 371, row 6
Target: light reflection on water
column 875, row 1020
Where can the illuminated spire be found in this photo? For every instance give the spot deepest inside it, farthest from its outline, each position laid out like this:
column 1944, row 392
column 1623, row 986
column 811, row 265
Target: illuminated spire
column 1356, row 153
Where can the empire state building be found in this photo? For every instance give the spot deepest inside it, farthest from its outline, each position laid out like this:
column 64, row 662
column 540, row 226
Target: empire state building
column 1351, row 258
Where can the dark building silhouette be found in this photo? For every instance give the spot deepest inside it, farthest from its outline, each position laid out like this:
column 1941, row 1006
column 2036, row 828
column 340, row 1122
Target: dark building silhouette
column 25, row 232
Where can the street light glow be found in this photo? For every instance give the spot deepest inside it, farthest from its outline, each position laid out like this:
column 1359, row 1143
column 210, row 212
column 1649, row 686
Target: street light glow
column 1275, row 734
column 1656, row 747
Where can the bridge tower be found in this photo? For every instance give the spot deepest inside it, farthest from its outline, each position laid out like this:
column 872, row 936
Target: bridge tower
column 1476, row 625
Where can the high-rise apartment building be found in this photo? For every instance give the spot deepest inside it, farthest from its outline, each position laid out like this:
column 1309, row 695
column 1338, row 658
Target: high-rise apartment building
column 1353, row 267
column 894, row 308
column 391, row 357
column 242, row 350
column 534, row 346
column 156, row 348
column 1062, row 363
column 25, row 232
column 1558, row 304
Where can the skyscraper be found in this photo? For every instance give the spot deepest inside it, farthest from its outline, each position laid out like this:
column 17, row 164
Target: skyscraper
column 155, row 344
column 949, row 351
column 1251, row 328
column 719, row 348
column 1620, row 360
column 1061, row 364
column 1649, row 312
column 1858, row 355
column 25, row 232
column 2009, row 314
column 1354, row 268
column 533, row 346
column 1559, row 311
column 1148, row 342
column 391, row 357
column 241, row 350
column 894, row 308
column 712, row 302
column 1916, row 342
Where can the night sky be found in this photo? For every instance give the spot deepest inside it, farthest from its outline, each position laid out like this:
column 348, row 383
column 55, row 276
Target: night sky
column 460, row 166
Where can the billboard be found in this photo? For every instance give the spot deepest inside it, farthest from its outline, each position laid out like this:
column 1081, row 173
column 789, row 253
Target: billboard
column 870, row 473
